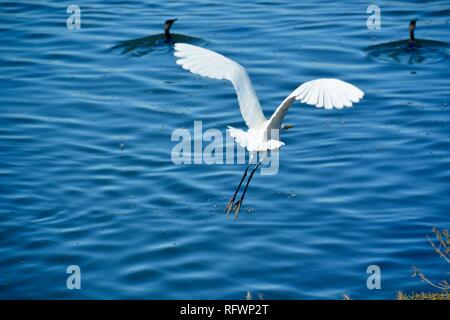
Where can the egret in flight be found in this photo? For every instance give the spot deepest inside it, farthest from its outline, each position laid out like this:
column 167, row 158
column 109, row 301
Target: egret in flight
column 322, row 93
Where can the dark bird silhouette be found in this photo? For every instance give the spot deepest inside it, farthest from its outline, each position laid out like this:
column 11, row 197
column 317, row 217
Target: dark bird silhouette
column 167, row 26
column 161, row 42
column 412, row 27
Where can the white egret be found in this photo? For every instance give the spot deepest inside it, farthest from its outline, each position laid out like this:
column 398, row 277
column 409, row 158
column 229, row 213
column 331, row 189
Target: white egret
column 322, row 93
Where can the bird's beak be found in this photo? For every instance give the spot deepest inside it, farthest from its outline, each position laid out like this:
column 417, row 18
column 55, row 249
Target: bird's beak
column 287, row 126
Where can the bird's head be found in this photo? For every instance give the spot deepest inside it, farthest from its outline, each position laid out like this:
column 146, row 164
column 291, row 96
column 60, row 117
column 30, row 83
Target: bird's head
column 412, row 25
column 168, row 24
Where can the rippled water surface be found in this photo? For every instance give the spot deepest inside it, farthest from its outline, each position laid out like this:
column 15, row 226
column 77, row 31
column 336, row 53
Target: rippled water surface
column 404, row 52
column 85, row 152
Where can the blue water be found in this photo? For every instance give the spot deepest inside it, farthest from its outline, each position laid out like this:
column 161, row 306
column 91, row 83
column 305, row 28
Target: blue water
column 85, row 152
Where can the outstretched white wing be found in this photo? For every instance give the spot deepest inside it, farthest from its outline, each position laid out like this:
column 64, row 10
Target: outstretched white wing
column 322, row 93
column 213, row 65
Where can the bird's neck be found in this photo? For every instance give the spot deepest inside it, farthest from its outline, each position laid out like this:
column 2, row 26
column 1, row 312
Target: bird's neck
column 167, row 33
column 411, row 36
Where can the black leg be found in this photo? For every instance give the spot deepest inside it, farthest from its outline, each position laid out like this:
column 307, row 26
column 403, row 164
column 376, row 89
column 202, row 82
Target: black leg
column 230, row 204
column 237, row 207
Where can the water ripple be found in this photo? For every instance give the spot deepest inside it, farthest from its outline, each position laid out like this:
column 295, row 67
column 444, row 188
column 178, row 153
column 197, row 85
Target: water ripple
column 87, row 176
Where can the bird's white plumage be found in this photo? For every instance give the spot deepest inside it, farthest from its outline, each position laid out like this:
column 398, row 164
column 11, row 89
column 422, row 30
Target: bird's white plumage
column 322, row 93
column 213, row 65
column 249, row 141
column 327, row 93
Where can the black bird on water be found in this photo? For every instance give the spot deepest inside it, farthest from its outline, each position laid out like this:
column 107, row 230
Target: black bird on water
column 412, row 27
column 167, row 26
